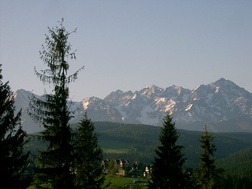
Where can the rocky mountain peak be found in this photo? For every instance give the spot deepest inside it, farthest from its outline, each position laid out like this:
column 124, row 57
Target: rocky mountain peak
column 221, row 104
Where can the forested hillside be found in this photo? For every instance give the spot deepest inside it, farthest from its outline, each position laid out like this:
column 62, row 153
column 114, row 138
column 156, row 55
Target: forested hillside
column 137, row 142
column 239, row 163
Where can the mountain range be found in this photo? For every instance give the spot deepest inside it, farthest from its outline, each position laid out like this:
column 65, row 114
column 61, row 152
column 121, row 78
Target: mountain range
column 222, row 105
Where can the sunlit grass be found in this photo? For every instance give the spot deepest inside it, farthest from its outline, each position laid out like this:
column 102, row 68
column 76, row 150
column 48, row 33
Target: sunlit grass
column 115, row 151
column 117, row 182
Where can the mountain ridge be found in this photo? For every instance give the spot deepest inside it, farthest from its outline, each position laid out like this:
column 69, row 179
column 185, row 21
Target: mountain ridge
column 222, row 105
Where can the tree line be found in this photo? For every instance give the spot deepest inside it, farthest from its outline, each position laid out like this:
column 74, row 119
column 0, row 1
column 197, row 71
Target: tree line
column 72, row 159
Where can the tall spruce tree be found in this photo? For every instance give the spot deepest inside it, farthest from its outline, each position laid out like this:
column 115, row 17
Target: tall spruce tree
column 167, row 171
column 209, row 176
column 88, row 157
column 13, row 160
column 54, row 166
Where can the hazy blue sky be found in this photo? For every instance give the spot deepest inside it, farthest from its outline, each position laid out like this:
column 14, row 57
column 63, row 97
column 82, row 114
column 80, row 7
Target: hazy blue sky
column 128, row 44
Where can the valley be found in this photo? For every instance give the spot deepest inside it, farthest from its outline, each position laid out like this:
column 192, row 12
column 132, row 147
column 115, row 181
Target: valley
column 137, row 142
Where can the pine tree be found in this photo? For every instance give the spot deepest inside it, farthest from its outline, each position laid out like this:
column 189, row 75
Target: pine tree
column 13, row 160
column 208, row 174
column 88, row 157
column 54, row 165
column 167, row 172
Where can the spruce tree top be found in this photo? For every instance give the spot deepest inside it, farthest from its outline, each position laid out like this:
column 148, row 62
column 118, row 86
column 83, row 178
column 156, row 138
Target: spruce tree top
column 55, row 55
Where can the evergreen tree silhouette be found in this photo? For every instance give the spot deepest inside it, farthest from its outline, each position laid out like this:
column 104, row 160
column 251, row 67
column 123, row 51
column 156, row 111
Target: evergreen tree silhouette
column 13, row 160
column 54, row 166
column 167, row 172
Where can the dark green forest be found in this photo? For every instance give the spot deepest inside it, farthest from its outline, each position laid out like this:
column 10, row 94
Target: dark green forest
column 137, row 142
column 117, row 139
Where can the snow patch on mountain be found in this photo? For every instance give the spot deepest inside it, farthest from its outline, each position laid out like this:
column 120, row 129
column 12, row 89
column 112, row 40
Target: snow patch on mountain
column 188, row 107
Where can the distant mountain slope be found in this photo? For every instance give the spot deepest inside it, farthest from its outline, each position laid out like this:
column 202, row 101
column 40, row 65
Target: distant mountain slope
column 222, row 105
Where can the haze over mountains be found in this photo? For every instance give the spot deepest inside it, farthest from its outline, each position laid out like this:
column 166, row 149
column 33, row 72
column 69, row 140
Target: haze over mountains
column 221, row 105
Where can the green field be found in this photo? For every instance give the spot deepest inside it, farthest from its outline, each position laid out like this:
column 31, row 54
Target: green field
column 117, row 182
column 125, row 182
column 110, row 146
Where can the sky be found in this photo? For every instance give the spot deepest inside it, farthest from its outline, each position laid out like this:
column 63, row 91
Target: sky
column 130, row 44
